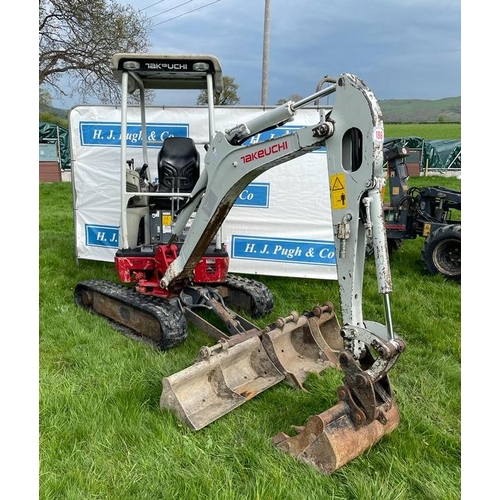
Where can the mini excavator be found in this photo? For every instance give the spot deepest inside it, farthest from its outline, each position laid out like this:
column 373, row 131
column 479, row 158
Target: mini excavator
column 173, row 265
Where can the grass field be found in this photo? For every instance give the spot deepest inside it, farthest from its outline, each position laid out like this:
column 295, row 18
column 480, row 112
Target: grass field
column 103, row 436
column 429, row 131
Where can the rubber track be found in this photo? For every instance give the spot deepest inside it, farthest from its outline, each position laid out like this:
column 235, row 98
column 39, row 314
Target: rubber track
column 167, row 312
column 260, row 295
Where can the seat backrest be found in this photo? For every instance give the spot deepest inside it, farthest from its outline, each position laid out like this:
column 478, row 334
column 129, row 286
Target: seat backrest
column 178, row 169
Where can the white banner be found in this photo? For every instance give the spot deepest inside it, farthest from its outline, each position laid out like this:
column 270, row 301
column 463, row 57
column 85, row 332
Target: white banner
column 279, row 226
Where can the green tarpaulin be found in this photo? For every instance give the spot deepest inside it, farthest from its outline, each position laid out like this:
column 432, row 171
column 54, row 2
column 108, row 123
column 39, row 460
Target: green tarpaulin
column 51, row 133
column 443, row 154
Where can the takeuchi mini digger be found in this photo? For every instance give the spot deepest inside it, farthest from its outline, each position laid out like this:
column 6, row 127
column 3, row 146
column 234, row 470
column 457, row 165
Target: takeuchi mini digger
column 173, row 266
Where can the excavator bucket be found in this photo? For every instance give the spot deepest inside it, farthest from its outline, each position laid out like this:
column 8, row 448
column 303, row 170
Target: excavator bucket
column 218, row 383
column 237, row 369
column 331, row 439
column 366, row 411
column 304, row 344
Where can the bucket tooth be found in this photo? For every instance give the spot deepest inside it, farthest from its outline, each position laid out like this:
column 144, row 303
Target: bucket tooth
column 299, row 345
column 331, row 439
column 212, row 387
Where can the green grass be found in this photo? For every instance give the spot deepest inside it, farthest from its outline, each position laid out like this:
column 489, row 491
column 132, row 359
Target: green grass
column 103, row 436
column 429, row 131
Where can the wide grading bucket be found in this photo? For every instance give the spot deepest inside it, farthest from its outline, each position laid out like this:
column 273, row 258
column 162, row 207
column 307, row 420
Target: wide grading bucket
column 235, row 370
column 214, row 386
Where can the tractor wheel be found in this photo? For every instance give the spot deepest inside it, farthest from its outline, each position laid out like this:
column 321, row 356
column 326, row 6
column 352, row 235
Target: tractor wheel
column 441, row 253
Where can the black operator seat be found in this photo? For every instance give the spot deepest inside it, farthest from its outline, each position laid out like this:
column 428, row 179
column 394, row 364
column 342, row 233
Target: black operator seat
column 178, row 171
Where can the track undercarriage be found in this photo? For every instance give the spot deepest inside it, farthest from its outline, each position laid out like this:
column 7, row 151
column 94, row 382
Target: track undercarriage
column 162, row 321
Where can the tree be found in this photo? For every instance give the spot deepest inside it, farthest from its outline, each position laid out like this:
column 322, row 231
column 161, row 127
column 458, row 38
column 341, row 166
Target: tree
column 228, row 96
column 49, row 117
column 293, row 97
column 44, row 99
column 48, row 114
column 76, row 41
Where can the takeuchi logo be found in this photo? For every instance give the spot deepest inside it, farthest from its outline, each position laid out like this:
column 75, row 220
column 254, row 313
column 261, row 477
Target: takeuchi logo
column 170, row 66
column 261, row 153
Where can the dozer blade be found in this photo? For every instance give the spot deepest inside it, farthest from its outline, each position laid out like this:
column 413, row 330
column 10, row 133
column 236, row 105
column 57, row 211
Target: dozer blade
column 331, row 439
column 221, row 382
column 299, row 345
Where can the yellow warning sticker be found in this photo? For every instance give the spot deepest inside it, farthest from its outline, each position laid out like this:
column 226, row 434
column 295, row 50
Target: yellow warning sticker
column 166, row 219
column 338, row 197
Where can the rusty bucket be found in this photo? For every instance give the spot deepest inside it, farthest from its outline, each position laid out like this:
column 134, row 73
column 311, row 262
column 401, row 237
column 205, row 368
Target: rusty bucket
column 365, row 412
column 331, row 439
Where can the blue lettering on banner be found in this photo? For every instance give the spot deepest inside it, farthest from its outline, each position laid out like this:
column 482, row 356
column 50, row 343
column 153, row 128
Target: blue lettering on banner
column 277, row 132
column 256, row 194
column 101, row 236
column 109, row 133
column 283, row 250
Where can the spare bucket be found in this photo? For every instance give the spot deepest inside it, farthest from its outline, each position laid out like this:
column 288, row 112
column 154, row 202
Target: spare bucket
column 238, row 368
column 299, row 345
column 218, row 384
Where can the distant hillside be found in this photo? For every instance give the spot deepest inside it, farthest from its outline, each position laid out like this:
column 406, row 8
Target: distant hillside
column 396, row 110
column 421, row 111
column 63, row 113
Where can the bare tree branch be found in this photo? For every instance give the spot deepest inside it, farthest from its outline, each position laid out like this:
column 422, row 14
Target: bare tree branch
column 77, row 39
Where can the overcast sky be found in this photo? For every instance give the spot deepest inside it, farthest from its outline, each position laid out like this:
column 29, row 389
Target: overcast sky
column 402, row 49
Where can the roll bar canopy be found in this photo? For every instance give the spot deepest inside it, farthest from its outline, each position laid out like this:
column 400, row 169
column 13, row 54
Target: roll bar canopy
column 167, row 71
